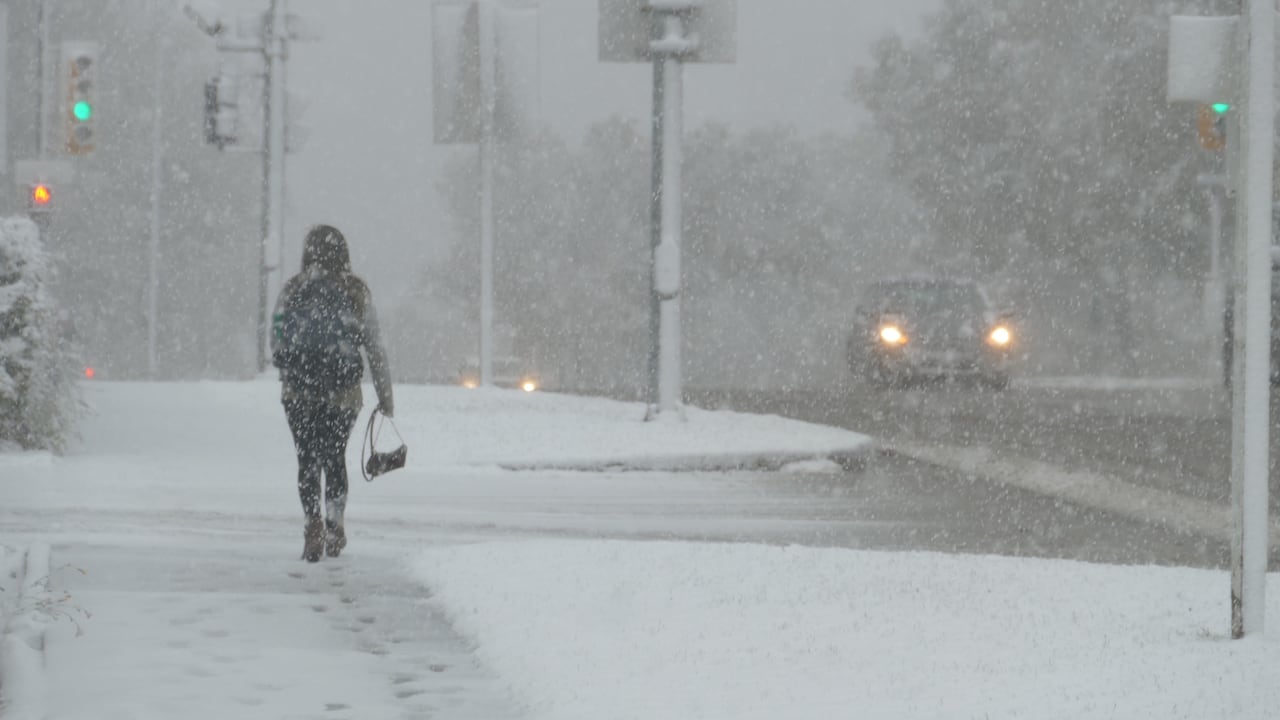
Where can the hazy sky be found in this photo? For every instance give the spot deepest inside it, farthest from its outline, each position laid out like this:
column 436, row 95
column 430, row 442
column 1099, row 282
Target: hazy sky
column 369, row 165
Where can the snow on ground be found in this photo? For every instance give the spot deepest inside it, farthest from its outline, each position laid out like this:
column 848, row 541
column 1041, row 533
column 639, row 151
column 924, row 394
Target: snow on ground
column 667, row 630
column 177, row 509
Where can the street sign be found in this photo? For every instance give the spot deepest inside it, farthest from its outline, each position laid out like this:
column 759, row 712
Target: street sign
column 626, row 29
column 1203, row 62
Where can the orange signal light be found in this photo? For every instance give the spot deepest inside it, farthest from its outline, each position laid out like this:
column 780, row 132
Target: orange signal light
column 41, row 195
column 1207, row 127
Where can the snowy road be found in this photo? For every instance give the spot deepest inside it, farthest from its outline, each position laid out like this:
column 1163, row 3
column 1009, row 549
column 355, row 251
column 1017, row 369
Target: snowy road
column 1158, row 446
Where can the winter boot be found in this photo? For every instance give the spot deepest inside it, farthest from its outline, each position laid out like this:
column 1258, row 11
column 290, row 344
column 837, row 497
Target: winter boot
column 313, row 540
column 335, row 536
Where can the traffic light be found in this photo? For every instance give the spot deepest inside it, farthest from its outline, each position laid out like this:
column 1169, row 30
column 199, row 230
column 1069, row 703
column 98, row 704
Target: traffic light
column 1212, row 126
column 221, row 111
column 40, row 203
column 40, row 198
column 80, row 69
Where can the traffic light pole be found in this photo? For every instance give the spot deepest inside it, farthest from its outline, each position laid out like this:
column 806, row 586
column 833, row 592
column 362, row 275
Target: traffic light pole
column 1212, row 302
column 1251, row 391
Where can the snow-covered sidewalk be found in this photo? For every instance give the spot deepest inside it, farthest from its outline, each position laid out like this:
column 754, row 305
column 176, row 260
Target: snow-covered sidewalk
column 174, row 508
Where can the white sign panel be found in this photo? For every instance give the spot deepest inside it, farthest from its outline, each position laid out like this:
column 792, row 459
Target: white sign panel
column 1203, row 58
column 626, row 27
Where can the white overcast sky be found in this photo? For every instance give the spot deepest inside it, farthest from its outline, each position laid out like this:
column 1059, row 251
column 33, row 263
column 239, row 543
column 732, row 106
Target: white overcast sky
column 369, row 165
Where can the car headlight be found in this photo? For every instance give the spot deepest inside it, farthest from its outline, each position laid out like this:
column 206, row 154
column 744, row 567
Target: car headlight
column 470, row 383
column 529, row 385
column 1000, row 336
column 892, row 335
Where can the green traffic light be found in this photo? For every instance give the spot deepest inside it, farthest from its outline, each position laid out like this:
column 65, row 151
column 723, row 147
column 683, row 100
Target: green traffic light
column 82, row 110
column 1221, row 108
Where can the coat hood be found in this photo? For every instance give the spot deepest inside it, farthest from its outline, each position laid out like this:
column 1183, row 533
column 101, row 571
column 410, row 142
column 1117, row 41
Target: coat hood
column 325, row 250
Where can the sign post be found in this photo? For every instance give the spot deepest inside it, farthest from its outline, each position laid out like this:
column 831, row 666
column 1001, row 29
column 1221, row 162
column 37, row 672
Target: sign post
column 482, row 89
column 667, row 33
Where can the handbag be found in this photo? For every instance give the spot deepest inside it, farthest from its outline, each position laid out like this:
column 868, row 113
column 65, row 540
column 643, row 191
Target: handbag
column 377, row 462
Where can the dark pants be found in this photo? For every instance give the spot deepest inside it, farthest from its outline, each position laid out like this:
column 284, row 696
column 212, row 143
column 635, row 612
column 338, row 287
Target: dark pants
column 320, row 435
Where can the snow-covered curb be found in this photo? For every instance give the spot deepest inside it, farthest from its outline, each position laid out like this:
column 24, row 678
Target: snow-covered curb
column 451, row 429
column 24, row 580
column 852, row 457
column 1090, row 489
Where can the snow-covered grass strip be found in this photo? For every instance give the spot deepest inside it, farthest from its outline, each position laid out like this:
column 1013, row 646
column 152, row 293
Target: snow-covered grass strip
column 593, row 629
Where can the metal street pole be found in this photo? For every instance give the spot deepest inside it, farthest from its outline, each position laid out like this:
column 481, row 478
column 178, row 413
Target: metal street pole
column 655, row 239
column 1251, row 393
column 488, row 89
column 669, row 51
column 42, row 76
column 1212, row 305
column 274, row 50
column 153, row 271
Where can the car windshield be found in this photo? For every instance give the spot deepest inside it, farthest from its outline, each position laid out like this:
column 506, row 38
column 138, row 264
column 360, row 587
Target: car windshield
column 927, row 297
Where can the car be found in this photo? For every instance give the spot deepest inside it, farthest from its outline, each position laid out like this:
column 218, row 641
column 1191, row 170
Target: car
column 507, row 372
column 915, row 329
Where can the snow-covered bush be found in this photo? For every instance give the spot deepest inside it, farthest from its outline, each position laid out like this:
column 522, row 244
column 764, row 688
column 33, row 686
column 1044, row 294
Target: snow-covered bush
column 38, row 401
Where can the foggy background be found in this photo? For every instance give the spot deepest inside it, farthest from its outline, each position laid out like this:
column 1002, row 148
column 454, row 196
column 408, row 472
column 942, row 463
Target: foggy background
column 1073, row 198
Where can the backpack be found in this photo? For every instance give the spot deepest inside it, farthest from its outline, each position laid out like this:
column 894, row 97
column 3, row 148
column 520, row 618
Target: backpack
column 318, row 338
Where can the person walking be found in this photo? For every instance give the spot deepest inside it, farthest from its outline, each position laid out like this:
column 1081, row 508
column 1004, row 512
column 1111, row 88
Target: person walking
column 323, row 318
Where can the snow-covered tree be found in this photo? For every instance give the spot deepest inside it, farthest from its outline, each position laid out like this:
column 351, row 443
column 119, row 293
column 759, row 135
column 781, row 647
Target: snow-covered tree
column 38, row 400
column 1037, row 136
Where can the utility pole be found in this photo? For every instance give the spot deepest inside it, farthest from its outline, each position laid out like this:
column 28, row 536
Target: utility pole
column 275, row 50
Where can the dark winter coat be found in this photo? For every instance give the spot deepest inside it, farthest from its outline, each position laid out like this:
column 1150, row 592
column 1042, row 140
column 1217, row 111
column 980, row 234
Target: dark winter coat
column 325, row 253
